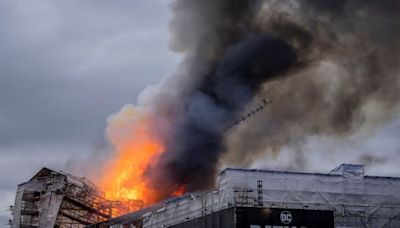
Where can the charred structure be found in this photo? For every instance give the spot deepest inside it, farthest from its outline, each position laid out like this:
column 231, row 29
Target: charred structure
column 58, row 199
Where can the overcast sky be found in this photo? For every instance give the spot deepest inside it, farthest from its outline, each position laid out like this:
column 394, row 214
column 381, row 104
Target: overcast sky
column 65, row 66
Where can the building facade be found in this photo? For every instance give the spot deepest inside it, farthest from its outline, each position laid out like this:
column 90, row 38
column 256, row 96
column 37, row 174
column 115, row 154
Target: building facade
column 271, row 199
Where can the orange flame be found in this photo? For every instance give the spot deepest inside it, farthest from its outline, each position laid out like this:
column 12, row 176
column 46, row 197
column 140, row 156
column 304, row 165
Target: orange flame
column 136, row 148
column 180, row 191
column 131, row 132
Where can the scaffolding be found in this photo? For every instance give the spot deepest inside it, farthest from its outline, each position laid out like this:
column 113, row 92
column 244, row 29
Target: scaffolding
column 345, row 197
column 57, row 199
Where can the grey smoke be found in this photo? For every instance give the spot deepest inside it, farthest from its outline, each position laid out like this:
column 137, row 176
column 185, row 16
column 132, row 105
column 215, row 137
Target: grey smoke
column 330, row 67
column 352, row 88
column 227, row 60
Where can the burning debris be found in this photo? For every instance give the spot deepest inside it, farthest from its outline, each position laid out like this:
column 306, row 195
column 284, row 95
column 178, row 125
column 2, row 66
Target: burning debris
column 243, row 118
column 58, row 199
column 328, row 61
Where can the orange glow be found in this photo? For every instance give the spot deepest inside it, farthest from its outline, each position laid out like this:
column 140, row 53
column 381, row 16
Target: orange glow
column 136, row 148
column 179, row 191
column 124, row 178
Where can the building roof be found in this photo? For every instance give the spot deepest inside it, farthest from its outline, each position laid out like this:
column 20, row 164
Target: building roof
column 345, row 185
column 333, row 173
column 69, row 178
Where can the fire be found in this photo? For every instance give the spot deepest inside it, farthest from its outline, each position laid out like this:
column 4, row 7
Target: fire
column 136, row 148
column 179, row 191
column 124, row 179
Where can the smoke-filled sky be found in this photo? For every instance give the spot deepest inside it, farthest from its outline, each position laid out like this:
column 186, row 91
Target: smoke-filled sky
column 330, row 68
column 65, row 66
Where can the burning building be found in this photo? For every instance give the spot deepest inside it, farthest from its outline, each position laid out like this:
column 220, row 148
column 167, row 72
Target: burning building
column 330, row 70
column 58, row 199
column 344, row 197
column 248, row 198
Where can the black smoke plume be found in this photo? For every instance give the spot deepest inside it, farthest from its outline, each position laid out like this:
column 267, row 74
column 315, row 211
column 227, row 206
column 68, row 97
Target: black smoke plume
column 330, row 64
column 228, row 59
column 352, row 85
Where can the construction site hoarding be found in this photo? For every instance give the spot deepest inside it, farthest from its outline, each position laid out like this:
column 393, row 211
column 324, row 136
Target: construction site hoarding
column 342, row 198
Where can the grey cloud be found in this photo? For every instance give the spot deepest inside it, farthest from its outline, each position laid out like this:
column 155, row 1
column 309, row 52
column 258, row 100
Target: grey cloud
column 65, row 66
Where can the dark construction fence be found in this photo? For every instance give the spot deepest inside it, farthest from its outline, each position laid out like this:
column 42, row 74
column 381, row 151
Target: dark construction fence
column 247, row 217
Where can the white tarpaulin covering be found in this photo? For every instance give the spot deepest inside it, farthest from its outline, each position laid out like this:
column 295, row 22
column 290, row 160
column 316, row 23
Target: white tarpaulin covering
column 355, row 199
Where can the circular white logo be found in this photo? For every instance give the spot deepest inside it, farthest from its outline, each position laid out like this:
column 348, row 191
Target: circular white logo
column 286, row 217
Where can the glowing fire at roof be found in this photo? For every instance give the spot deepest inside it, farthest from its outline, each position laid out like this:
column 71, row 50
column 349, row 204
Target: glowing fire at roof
column 136, row 148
